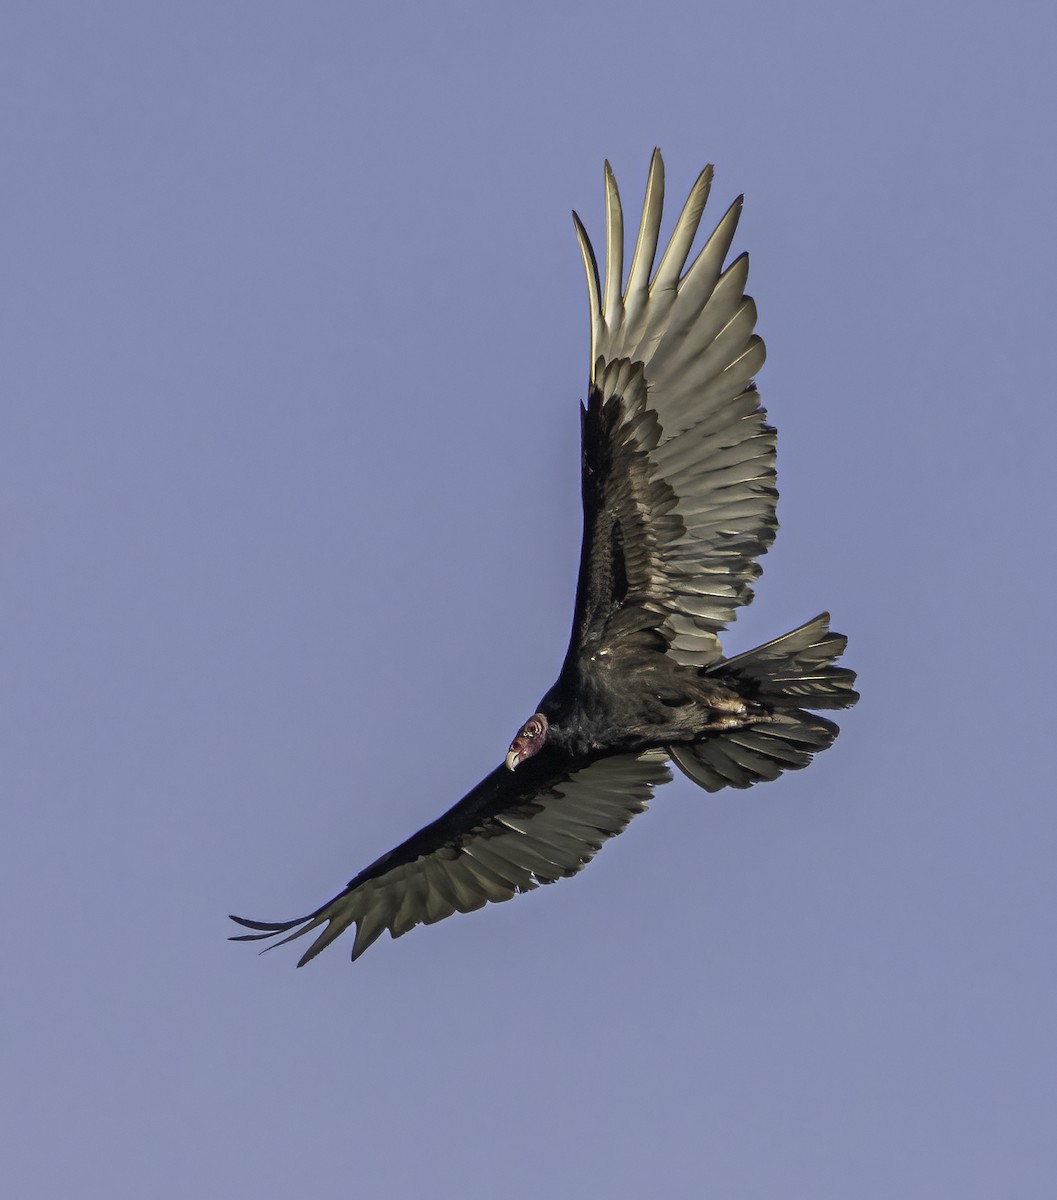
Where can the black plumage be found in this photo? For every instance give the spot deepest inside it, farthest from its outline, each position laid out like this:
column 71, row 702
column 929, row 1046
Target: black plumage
column 679, row 503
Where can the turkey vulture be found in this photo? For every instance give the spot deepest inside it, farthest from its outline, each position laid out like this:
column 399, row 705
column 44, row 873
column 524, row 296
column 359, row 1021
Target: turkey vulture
column 678, row 466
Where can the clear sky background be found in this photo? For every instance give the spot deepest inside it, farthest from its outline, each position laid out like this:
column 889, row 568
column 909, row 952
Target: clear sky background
column 294, row 335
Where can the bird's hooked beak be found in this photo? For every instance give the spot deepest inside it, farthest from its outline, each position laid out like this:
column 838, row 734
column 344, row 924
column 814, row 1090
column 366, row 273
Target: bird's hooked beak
column 529, row 741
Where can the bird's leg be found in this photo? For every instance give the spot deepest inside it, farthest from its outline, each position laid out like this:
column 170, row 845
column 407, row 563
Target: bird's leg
column 730, row 712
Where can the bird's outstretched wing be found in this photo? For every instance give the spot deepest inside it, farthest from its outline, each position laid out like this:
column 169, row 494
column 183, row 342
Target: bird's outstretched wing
column 514, row 831
column 679, row 461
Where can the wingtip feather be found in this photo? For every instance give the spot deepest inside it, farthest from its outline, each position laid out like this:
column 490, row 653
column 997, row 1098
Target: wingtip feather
column 594, row 300
column 613, row 302
column 686, row 227
column 649, row 234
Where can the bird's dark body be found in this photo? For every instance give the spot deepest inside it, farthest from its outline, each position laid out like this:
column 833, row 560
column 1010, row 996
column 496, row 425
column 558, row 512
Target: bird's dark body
column 619, row 691
column 678, row 469
column 588, row 721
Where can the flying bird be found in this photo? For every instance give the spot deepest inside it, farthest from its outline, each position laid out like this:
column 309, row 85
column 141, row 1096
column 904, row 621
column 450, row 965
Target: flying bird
column 678, row 479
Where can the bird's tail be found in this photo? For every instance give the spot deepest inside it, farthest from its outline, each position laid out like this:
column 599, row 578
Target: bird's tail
column 794, row 670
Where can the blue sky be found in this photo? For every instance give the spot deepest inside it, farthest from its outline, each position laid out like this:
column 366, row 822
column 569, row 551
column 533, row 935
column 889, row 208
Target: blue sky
column 295, row 334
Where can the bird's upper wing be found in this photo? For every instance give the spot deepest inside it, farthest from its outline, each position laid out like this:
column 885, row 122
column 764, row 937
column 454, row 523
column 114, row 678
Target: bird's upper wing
column 679, row 495
column 514, row 831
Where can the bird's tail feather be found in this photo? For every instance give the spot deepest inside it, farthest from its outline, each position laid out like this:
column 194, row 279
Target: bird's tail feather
column 794, row 670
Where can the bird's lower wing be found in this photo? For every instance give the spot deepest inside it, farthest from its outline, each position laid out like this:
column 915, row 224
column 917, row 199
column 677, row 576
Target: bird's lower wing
column 513, row 832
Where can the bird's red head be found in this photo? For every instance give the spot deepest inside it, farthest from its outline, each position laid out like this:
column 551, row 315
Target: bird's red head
column 529, row 741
